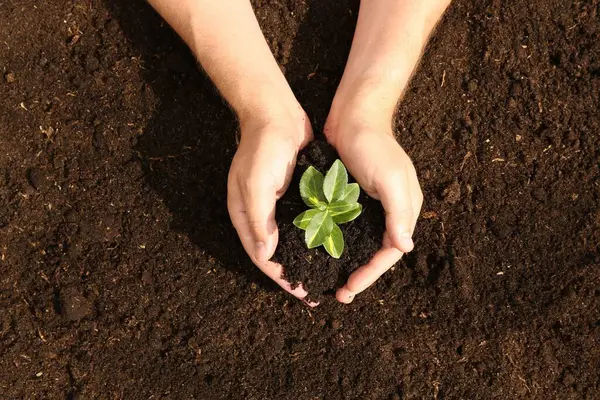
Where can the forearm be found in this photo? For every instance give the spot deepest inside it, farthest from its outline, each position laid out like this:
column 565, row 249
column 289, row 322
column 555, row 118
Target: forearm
column 227, row 40
column 388, row 42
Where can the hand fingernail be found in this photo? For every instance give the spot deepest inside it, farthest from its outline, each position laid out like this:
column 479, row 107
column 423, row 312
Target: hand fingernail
column 344, row 296
column 405, row 242
column 260, row 251
column 311, row 304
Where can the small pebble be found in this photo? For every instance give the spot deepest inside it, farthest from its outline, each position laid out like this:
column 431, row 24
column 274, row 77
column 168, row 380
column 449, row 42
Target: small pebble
column 10, row 77
column 98, row 139
column 452, row 193
column 501, row 230
column 571, row 135
column 539, row 194
column 476, row 228
column 35, row 178
column 472, row 86
column 516, row 89
column 147, row 277
column 74, row 305
column 91, row 63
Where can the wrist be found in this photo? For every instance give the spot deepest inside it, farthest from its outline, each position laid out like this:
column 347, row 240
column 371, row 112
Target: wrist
column 253, row 97
column 368, row 105
column 372, row 97
column 275, row 114
column 376, row 75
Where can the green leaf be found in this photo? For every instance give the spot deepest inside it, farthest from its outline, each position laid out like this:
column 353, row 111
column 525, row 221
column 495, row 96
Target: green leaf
column 302, row 220
column 349, row 215
column 335, row 181
column 334, row 243
column 311, row 187
column 351, row 193
column 340, row 207
column 318, row 229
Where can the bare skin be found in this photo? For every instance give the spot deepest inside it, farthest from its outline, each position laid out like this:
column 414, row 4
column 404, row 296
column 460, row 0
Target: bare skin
column 388, row 42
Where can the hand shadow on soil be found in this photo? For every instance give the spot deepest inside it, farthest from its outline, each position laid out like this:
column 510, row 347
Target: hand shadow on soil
column 187, row 146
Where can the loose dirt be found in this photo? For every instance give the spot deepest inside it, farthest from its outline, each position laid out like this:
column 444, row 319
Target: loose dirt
column 120, row 273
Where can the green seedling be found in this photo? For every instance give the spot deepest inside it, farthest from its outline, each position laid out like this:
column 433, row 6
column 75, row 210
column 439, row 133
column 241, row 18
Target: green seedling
column 332, row 201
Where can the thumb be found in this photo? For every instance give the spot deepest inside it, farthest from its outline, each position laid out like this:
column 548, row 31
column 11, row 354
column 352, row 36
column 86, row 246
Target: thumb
column 394, row 193
column 260, row 211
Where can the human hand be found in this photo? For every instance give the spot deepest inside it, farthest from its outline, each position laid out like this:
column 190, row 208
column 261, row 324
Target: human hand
column 388, row 42
column 372, row 155
column 260, row 174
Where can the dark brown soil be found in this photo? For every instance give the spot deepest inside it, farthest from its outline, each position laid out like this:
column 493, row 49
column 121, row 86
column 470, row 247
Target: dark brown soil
column 314, row 268
column 120, row 274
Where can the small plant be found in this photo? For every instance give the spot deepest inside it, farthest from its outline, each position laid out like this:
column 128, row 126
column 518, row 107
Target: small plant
column 332, row 201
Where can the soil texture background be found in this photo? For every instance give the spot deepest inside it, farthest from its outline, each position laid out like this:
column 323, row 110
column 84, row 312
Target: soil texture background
column 120, row 273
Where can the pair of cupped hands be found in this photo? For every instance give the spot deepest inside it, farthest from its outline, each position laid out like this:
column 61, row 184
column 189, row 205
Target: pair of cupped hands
column 262, row 169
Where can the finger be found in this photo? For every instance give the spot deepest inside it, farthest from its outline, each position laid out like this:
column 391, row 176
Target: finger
column 239, row 219
column 308, row 133
column 395, row 196
column 259, row 199
column 366, row 275
column 275, row 272
column 417, row 203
